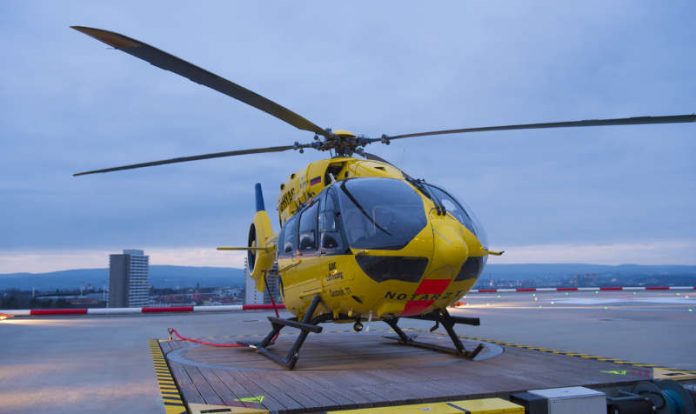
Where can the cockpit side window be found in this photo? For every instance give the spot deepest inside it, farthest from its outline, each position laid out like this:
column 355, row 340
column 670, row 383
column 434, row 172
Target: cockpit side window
column 288, row 237
column 460, row 213
column 453, row 207
column 308, row 228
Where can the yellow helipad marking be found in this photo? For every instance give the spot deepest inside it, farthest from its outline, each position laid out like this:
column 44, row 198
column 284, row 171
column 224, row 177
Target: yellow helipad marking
column 223, row 409
column 615, row 371
column 173, row 403
column 257, row 399
column 486, row 405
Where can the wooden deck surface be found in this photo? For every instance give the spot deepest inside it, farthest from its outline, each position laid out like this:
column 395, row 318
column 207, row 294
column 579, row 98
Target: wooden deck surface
column 348, row 370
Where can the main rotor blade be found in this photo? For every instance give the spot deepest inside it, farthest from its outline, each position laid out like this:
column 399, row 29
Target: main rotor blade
column 194, row 158
column 640, row 120
column 199, row 75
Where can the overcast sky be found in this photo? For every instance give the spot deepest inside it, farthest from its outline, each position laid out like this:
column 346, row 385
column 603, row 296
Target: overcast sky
column 596, row 195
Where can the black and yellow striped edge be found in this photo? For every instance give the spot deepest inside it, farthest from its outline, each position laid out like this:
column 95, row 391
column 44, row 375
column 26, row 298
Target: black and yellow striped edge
column 617, row 361
column 171, row 397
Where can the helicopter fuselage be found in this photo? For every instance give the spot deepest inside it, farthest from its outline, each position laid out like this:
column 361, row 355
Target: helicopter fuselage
column 372, row 242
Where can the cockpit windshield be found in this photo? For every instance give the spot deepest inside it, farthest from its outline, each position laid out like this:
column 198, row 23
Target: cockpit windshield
column 380, row 213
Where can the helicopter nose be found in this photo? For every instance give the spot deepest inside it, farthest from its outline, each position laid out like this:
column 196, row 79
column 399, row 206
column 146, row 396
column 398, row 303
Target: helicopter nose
column 450, row 249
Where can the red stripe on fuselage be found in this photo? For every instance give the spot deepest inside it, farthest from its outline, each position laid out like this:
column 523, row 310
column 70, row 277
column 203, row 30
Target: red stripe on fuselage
column 416, row 307
column 432, row 286
column 426, row 287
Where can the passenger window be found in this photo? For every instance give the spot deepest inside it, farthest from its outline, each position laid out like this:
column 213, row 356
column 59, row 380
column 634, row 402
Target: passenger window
column 327, row 217
column 308, row 228
column 288, row 239
column 331, row 239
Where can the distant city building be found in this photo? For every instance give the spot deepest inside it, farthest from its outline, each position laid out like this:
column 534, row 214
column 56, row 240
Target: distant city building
column 128, row 282
column 273, row 279
column 253, row 296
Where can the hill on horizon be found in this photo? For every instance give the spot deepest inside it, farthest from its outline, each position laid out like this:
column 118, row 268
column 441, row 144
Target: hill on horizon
column 167, row 276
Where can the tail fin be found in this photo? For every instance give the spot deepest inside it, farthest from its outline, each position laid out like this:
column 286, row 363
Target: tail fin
column 261, row 246
column 259, row 198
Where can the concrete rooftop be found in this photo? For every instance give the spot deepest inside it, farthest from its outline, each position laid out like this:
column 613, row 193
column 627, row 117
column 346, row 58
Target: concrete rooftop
column 100, row 363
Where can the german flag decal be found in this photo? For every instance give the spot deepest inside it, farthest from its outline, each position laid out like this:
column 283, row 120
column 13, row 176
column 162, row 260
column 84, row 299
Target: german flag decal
column 316, row 180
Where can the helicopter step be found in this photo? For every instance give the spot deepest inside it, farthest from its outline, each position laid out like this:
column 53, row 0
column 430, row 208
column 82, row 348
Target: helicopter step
column 448, row 322
column 305, row 326
column 294, row 324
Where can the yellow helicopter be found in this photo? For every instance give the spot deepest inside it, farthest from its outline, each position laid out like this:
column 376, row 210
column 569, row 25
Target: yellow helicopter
column 360, row 240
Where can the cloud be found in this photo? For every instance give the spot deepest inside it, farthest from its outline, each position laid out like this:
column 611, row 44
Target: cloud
column 72, row 104
column 665, row 252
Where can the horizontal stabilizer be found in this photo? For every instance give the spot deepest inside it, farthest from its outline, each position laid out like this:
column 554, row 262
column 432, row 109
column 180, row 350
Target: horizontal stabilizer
column 494, row 253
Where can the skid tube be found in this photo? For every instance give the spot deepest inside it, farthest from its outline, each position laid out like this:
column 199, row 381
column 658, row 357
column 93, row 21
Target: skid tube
column 448, row 321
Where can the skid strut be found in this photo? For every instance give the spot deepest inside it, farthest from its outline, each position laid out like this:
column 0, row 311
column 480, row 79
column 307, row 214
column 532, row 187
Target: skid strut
column 306, row 326
column 447, row 321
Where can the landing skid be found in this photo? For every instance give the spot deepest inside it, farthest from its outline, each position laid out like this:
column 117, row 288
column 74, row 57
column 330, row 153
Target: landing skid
column 305, row 326
column 311, row 325
column 448, row 321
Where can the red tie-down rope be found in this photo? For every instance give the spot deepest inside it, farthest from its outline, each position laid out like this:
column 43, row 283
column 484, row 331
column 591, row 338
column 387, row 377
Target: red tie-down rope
column 176, row 333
